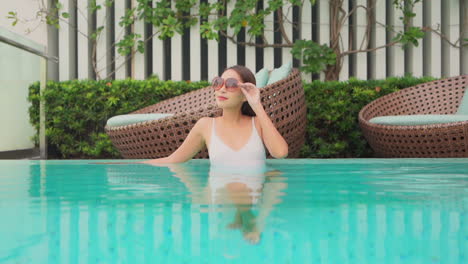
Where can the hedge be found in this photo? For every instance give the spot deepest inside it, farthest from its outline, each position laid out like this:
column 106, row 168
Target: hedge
column 332, row 113
column 77, row 111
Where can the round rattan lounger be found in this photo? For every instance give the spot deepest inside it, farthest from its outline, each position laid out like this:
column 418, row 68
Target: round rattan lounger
column 283, row 101
column 419, row 141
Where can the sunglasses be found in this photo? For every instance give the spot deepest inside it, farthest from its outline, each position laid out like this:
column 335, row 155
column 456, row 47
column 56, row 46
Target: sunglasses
column 231, row 84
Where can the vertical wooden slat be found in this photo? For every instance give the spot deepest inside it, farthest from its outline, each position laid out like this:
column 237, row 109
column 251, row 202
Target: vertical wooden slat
column 195, row 73
column 306, row 31
column 432, row 54
column 464, row 35
column 360, row 39
column 118, row 36
column 416, row 57
column 83, row 51
column 344, row 44
column 451, row 29
column 259, row 54
column 64, row 44
column 203, row 50
column 296, row 34
column 288, row 29
column 250, row 54
column 212, row 51
column 138, row 64
column 231, row 47
column 222, row 46
column 250, row 59
column 395, row 54
column 72, row 41
column 186, row 50
column 398, row 65
column 158, row 56
column 379, row 56
column 268, row 58
column 277, row 58
column 176, row 54
column 102, row 50
column 324, row 25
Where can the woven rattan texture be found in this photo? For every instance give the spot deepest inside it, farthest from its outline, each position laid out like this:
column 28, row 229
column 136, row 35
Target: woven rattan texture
column 283, row 101
column 422, row 141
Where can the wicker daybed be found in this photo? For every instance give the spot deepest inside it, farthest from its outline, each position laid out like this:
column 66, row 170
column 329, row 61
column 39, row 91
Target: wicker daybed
column 283, row 101
column 441, row 97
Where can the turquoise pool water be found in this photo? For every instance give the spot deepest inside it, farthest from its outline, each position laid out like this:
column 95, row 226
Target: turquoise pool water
column 309, row 211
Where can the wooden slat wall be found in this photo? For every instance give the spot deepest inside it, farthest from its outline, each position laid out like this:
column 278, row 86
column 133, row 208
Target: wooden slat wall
column 191, row 57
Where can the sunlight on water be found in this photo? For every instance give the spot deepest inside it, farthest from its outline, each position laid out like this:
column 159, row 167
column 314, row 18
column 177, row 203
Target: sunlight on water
column 284, row 211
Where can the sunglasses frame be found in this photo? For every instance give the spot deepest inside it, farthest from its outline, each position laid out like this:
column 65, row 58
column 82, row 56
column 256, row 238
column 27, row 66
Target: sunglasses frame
column 230, row 87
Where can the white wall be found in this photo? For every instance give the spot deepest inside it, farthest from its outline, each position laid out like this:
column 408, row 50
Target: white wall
column 18, row 69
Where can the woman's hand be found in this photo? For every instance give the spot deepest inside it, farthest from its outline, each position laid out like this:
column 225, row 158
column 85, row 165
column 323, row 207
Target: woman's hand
column 252, row 94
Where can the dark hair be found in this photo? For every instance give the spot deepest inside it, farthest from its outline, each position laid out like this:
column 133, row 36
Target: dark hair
column 246, row 76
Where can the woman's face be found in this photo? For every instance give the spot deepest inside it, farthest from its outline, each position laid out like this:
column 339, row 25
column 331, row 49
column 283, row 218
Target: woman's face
column 228, row 99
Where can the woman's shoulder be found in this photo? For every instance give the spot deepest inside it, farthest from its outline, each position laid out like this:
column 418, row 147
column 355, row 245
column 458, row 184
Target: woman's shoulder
column 205, row 123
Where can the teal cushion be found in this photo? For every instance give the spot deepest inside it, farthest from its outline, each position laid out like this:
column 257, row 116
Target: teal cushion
column 123, row 120
column 261, row 77
column 416, row 120
column 280, row 73
column 463, row 107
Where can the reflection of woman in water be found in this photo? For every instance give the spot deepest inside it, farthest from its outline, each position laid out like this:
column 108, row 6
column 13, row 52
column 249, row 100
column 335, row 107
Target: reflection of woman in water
column 234, row 140
column 245, row 187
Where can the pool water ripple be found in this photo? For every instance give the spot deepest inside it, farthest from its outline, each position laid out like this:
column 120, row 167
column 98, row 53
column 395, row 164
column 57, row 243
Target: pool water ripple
column 307, row 211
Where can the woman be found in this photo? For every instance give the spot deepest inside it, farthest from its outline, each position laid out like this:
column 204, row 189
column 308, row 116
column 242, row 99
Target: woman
column 236, row 146
column 236, row 136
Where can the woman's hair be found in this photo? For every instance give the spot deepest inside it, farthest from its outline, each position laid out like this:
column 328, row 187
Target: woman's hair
column 246, row 76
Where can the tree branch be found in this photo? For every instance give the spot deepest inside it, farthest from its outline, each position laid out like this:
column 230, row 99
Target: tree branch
column 253, row 44
column 281, row 26
column 368, row 50
column 444, row 37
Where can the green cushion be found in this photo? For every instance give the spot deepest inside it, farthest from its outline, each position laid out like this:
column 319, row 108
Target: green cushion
column 280, row 73
column 463, row 107
column 123, row 120
column 261, row 78
column 416, row 120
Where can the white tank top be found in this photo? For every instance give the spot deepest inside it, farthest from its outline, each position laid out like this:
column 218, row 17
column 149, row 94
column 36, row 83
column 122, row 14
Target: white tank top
column 252, row 151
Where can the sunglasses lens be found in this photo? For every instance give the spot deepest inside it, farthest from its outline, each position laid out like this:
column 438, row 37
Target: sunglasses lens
column 232, row 84
column 217, row 83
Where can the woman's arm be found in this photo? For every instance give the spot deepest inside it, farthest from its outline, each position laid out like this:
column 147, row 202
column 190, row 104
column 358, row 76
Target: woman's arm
column 192, row 144
column 274, row 141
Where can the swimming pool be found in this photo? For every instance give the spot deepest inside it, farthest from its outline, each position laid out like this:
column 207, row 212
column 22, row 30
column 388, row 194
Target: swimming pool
column 311, row 211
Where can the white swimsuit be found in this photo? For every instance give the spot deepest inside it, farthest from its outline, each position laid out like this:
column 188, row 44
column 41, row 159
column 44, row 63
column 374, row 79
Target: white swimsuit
column 246, row 165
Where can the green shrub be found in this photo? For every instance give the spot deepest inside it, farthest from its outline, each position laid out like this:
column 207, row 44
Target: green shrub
column 332, row 113
column 77, row 112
